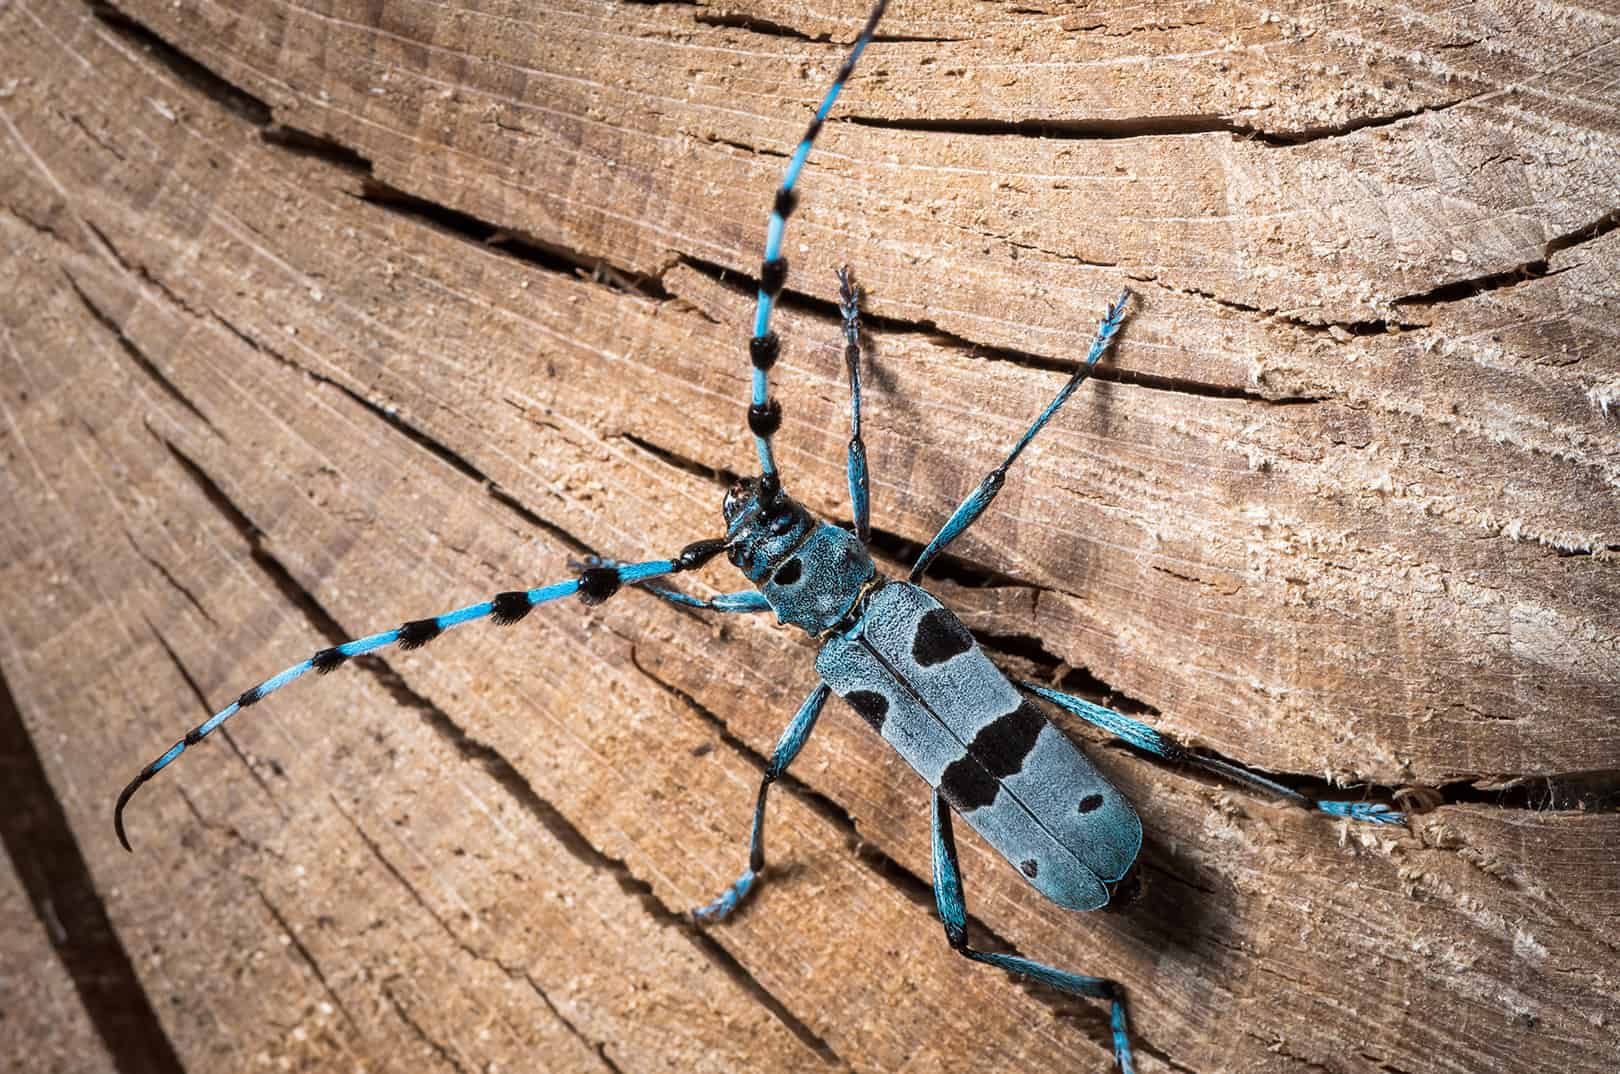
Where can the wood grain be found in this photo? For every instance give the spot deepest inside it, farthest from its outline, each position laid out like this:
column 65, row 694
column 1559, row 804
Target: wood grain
column 318, row 316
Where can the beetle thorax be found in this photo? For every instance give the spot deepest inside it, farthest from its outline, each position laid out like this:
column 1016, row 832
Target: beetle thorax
column 811, row 571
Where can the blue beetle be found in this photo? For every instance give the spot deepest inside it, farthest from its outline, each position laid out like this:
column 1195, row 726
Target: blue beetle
column 900, row 659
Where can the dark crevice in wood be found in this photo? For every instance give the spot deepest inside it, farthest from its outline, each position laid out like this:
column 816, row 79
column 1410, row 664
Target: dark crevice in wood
column 303, row 953
column 1604, row 224
column 434, row 1046
column 1145, row 126
column 1594, row 791
column 174, row 582
column 1067, row 129
column 41, row 846
column 946, row 566
column 563, row 537
column 212, row 492
column 303, row 143
column 31, row 224
column 518, row 245
column 491, row 760
column 827, row 310
column 719, row 478
column 1062, row 675
column 136, row 271
column 597, row 1046
column 1540, row 268
column 1373, row 327
column 186, row 68
column 767, row 28
column 136, row 355
column 754, row 25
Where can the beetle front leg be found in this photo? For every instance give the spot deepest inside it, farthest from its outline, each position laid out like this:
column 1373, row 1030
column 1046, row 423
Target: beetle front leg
column 787, row 748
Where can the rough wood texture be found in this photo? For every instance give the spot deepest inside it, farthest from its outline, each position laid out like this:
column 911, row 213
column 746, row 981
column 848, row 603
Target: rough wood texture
column 314, row 317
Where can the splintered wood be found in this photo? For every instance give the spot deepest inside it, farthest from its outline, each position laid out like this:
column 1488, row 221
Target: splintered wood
column 319, row 317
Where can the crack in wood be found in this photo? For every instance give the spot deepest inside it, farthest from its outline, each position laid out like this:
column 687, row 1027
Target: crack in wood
column 519, row 245
column 62, row 894
column 136, row 355
column 415, row 1027
column 1161, row 126
column 174, row 582
column 1524, row 272
column 826, row 311
column 189, row 70
column 303, row 953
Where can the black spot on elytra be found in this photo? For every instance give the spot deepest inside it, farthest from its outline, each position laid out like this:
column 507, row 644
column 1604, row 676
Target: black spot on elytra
column 967, row 786
column 1091, row 802
column 872, row 707
column 1002, row 745
column 940, row 636
column 1030, row 868
column 789, row 572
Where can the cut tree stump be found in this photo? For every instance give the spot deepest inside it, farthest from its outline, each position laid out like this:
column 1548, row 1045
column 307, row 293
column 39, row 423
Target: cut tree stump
column 318, row 317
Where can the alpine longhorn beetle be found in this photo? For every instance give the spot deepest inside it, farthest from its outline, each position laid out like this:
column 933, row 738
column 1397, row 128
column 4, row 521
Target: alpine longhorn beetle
column 901, row 660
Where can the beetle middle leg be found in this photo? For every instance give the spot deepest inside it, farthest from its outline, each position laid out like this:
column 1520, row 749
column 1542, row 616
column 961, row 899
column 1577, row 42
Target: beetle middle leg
column 979, row 499
column 1143, row 737
column 953, row 914
column 787, row 748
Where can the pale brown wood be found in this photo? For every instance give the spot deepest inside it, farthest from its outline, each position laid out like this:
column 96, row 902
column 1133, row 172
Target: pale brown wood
column 316, row 317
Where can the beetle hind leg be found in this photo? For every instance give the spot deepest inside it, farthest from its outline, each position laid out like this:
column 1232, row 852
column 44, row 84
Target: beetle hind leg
column 1143, row 737
column 787, row 748
column 953, row 914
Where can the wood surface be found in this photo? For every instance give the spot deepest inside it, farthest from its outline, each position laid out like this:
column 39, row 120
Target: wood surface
column 317, row 316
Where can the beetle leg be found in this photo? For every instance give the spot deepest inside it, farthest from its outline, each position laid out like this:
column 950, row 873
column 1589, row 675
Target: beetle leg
column 787, row 748
column 1146, row 738
column 953, row 913
column 860, row 498
column 979, row 499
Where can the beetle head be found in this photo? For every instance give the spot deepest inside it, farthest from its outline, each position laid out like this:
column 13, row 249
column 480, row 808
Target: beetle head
column 763, row 525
